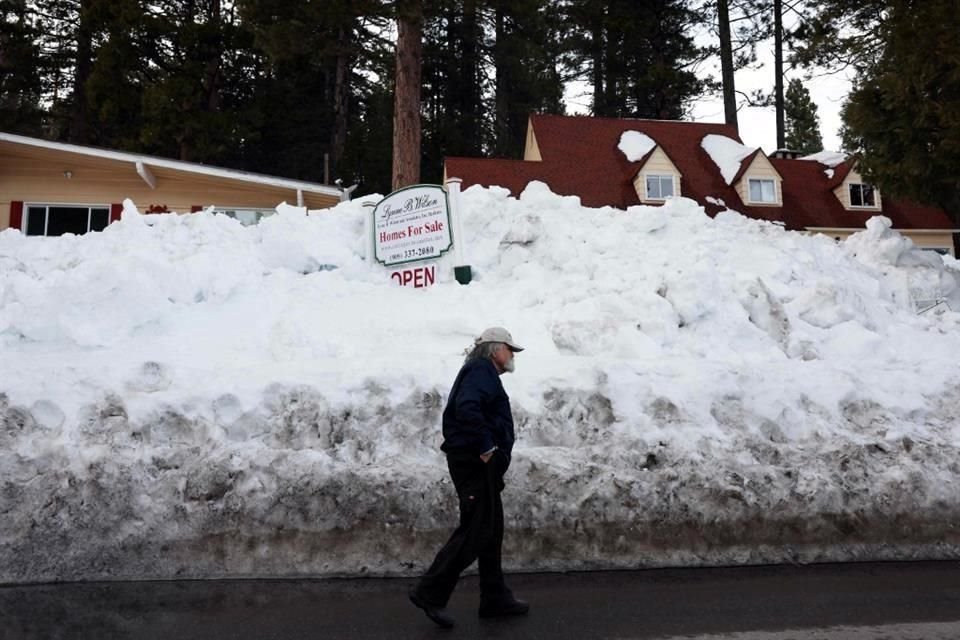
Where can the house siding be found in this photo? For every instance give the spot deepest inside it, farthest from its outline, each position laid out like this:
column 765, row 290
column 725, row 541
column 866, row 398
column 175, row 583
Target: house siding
column 531, row 150
column 843, row 193
column 37, row 176
column 760, row 169
column 657, row 164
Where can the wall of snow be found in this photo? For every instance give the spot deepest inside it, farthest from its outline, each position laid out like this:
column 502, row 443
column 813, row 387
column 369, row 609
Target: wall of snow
column 187, row 397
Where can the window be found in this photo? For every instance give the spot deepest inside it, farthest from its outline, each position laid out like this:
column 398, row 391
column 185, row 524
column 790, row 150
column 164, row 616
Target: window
column 659, row 187
column 763, row 190
column 861, row 195
column 246, row 217
column 58, row 219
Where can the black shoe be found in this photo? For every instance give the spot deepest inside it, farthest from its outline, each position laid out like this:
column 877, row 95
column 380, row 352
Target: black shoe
column 499, row 608
column 438, row 614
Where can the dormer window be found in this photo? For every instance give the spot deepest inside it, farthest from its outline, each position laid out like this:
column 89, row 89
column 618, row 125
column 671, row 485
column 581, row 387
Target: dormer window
column 763, row 190
column 659, row 187
column 862, row 195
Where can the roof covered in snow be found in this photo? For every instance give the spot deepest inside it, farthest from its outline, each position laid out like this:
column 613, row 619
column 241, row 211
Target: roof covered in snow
column 585, row 157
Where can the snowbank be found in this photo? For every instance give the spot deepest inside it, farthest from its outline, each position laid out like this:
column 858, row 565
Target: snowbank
column 182, row 396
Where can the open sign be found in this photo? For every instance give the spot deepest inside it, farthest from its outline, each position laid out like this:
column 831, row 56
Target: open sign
column 417, row 278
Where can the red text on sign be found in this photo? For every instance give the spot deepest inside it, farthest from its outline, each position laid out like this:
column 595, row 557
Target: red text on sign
column 416, row 278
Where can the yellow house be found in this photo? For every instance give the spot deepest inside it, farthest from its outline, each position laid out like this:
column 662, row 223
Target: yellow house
column 51, row 188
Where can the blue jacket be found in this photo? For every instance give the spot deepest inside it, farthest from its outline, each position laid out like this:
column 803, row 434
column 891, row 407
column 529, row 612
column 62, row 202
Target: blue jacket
column 477, row 415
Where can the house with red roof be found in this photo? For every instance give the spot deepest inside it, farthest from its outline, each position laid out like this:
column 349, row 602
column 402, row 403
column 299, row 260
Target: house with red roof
column 621, row 162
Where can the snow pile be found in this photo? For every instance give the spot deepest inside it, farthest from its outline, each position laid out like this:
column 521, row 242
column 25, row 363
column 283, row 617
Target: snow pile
column 182, row 396
column 726, row 153
column 909, row 275
column 634, row 145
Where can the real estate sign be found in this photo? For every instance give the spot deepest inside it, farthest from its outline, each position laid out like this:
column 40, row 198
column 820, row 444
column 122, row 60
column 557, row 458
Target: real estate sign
column 412, row 225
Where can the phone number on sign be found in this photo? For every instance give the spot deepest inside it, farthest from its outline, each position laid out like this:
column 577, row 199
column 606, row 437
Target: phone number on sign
column 419, row 252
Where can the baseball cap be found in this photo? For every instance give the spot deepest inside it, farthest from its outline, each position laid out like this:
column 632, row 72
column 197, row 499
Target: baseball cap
column 499, row 334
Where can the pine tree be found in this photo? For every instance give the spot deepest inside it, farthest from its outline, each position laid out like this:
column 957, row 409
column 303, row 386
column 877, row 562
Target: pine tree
column 21, row 84
column 802, row 121
column 456, row 83
column 639, row 60
column 108, row 95
column 315, row 56
column 526, row 50
column 903, row 116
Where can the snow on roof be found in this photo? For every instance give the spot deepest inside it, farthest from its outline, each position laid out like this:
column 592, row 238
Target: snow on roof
column 177, row 165
column 726, row 153
column 829, row 158
column 635, row 145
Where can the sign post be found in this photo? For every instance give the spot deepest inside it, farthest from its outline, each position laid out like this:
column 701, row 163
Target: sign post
column 461, row 270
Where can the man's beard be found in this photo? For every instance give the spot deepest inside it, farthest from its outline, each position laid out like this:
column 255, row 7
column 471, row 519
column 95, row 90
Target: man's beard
column 509, row 365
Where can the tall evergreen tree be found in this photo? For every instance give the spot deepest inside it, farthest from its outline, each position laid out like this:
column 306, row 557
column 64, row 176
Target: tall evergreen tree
column 802, row 120
column 640, row 61
column 314, row 54
column 21, row 84
column 841, row 34
column 455, row 85
column 526, row 52
column 903, row 115
column 109, row 99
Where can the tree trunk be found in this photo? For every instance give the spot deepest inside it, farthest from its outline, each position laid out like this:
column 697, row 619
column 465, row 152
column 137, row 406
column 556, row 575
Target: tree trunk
column 79, row 129
column 471, row 101
column 501, row 124
column 726, row 64
column 778, row 70
column 213, row 72
column 341, row 97
column 598, row 68
column 406, row 109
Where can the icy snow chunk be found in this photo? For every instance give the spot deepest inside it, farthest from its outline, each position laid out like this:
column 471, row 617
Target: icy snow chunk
column 879, row 246
column 538, row 194
column 635, row 145
column 47, row 414
column 907, row 271
column 726, row 153
column 150, row 377
column 828, row 173
column 828, row 158
column 717, row 201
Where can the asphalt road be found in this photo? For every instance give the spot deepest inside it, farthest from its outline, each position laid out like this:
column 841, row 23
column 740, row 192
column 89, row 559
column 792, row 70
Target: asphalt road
column 892, row 601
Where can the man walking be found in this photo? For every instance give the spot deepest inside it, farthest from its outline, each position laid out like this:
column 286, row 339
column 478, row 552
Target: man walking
column 477, row 438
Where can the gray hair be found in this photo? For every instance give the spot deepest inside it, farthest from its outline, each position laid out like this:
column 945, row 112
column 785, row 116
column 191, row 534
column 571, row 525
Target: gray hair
column 482, row 350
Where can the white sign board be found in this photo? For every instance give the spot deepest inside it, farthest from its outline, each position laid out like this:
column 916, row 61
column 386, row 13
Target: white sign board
column 412, row 225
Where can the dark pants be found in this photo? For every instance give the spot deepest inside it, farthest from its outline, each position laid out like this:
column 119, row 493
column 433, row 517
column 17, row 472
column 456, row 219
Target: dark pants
column 479, row 536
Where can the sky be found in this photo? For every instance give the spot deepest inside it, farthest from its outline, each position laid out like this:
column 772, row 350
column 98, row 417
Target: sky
column 758, row 126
